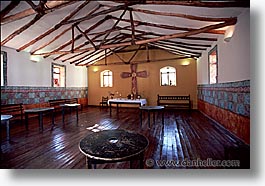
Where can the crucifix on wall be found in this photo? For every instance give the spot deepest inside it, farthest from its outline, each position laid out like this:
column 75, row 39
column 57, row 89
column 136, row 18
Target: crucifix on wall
column 134, row 74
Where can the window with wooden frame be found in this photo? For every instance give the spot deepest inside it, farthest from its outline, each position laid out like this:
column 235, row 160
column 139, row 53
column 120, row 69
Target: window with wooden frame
column 213, row 65
column 106, row 78
column 168, row 76
column 58, row 75
column 3, row 68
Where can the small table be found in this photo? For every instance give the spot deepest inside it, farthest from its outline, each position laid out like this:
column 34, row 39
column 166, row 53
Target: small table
column 151, row 109
column 40, row 112
column 6, row 118
column 119, row 101
column 74, row 105
column 110, row 146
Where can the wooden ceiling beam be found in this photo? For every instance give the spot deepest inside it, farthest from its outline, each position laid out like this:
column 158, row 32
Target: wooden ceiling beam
column 33, row 6
column 165, row 37
column 103, row 12
column 57, row 26
column 194, row 45
column 100, row 57
column 169, row 27
column 132, row 26
column 81, row 53
column 195, row 3
column 52, row 5
column 87, row 57
column 21, row 29
column 179, row 45
column 92, row 55
column 176, row 44
column 176, row 49
column 131, row 58
column 97, row 35
column 80, row 35
column 84, row 34
column 186, row 16
column 108, row 33
column 142, row 61
column 8, row 8
column 51, row 41
column 77, row 62
column 199, row 3
column 188, row 38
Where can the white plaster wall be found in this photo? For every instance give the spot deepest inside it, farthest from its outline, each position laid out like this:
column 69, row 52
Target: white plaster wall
column 21, row 71
column 233, row 56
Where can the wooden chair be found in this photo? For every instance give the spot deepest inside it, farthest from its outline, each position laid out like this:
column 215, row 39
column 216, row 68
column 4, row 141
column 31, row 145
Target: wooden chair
column 104, row 102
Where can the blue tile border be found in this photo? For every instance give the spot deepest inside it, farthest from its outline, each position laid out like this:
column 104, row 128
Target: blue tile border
column 232, row 96
column 34, row 95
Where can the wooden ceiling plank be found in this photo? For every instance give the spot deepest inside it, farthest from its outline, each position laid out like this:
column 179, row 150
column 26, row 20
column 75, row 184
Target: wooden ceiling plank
column 57, row 26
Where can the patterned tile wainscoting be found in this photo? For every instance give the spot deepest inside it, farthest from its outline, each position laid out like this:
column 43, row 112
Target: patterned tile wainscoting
column 228, row 104
column 38, row 95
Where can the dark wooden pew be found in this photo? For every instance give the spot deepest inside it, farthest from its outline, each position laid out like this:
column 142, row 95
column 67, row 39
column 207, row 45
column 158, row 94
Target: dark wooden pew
column 16, row 110
column 182, row 102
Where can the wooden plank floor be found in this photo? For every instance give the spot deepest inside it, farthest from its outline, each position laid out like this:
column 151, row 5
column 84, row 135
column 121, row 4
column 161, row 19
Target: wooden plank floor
column 186, row 136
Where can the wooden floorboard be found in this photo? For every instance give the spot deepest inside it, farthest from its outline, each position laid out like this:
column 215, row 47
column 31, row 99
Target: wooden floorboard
column 185, row 136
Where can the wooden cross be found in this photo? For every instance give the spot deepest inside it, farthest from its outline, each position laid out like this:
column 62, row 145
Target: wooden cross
column 134, row 74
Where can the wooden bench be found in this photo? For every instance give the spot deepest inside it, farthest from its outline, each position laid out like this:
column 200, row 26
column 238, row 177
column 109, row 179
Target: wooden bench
column 16, row 110
column 174, row 101
column 57, row 102
column 73, row 101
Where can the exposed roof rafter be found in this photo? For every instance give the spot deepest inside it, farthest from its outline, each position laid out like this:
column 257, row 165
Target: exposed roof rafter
column 85, row 32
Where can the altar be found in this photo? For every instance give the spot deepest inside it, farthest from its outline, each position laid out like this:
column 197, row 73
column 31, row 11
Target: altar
column 119, row 101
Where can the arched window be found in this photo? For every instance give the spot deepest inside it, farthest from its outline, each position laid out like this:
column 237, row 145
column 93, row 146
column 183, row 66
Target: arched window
column 106, row 78
column 168, row 76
